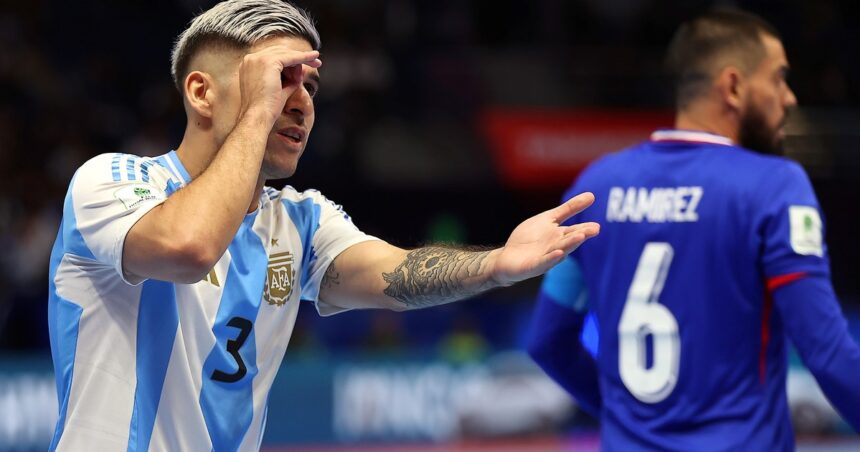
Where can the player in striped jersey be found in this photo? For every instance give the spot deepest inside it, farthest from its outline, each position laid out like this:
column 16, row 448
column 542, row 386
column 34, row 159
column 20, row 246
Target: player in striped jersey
column 710, row 255
column 175, row 281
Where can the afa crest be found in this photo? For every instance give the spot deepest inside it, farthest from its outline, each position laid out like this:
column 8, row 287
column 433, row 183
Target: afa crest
column 280, row 278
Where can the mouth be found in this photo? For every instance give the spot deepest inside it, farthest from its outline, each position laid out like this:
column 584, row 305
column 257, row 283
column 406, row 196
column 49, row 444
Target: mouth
column 293, row 135
column 783, row 124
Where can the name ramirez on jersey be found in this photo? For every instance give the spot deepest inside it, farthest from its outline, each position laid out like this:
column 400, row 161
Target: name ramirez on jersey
column 654, row 205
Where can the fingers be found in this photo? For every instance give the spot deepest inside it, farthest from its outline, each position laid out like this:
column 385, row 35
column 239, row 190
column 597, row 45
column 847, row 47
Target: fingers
column 572, row 207
column 589, row 229
column 289, row 57
column 285, row 58
column 292, row 62
column 550, row 260
column 572, row 242
column 577, row 234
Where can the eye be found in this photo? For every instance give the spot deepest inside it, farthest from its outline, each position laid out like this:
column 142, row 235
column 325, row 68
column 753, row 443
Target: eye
column 312, row 89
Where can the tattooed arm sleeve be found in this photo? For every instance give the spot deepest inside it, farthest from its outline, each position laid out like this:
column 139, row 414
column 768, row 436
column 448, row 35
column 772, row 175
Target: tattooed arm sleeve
column 436, row 275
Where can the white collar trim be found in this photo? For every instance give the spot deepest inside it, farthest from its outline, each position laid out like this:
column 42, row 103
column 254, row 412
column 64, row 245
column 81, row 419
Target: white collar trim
column 691, row 136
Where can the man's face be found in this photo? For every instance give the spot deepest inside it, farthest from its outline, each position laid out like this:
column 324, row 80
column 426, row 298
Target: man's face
column 289, row 135
column 763, row 119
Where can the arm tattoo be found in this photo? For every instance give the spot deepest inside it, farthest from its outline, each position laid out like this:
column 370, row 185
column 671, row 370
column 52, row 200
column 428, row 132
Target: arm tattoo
column 331, row 277
column 435, row 275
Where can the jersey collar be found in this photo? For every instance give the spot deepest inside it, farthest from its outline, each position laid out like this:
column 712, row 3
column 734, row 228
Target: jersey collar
column 177, row 167
column 689, row 136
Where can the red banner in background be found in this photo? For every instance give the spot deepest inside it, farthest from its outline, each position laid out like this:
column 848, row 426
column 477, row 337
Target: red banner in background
column 548, row 148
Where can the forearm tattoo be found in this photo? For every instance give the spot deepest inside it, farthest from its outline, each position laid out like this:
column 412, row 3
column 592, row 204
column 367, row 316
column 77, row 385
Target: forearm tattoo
column 435, row 275
column 331, row 277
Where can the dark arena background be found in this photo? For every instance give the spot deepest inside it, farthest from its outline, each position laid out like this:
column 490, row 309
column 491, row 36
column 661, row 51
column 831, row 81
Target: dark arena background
column 438, row 121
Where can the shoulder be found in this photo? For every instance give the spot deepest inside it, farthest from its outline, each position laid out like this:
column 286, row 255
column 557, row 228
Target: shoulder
column 305, row 209
column 756, row 163
column 299, row 204
column 770, row 171
column 118, row 167
column 785, row 169
column 99, row 166
column 292, row 196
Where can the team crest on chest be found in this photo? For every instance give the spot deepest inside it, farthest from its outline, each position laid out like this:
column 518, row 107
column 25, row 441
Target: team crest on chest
column 279, row 279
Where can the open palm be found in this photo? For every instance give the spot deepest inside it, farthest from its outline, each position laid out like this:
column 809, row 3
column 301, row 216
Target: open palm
column 541, row 242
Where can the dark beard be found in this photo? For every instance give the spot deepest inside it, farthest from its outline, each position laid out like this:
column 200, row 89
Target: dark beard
column 757, row 136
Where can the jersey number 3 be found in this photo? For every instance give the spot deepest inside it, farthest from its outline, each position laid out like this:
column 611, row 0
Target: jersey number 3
column 644, row 318
column 233, row 345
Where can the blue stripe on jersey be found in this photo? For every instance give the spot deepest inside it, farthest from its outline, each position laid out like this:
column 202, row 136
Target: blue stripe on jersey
column 63, row 314
column 157, row 321
column 129, row 165
column 144, row 170
column 172, row 185
column 64, row 318
column 182, row 171
column 114, row 167
column 162, row 161
column 73, row 241
column 228, row 406
column 306, row 216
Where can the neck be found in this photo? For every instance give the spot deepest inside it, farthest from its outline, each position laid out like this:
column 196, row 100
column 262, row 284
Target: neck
column 704, row 117
column 197, row 151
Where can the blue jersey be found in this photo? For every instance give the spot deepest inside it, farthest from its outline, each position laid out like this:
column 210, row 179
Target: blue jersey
column 695, row 234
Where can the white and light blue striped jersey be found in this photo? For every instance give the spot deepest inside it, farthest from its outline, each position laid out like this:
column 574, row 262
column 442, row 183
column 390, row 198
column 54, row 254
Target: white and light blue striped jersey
column 153, row 365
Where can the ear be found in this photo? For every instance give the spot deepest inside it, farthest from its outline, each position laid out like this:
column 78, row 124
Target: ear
column 731, row 85
column 199, row 93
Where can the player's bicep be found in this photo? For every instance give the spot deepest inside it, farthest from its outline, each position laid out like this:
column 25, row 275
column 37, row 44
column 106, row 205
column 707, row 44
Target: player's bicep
column 355, row 277
column 341, row 285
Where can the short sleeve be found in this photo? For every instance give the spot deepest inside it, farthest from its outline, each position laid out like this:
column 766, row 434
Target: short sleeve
column 107, row 196
column 790, row 224
column 334, row 232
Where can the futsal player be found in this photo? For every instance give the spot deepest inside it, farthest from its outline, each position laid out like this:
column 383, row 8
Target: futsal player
column 711, row 254
column 175, row 281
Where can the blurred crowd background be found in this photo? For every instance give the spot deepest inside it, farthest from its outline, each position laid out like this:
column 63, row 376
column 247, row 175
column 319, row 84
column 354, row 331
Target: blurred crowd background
column 399, row 140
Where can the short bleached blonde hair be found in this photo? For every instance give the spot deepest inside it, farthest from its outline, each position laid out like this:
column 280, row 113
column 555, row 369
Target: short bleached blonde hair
column 239, row 24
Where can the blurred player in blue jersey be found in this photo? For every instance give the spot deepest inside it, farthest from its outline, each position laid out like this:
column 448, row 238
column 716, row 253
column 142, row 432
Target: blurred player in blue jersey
column 175, row 281
column 711, row 253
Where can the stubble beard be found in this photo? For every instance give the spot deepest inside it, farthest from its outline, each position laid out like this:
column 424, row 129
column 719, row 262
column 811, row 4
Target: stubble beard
column 756, row 135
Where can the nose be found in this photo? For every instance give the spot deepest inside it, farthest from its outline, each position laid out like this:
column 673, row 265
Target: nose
column 790, row 98
column 299, row 104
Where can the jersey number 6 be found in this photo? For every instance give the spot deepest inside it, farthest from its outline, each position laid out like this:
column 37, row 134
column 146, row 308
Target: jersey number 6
column 644, row 316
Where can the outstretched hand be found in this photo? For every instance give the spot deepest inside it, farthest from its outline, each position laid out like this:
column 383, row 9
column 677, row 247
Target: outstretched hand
column 541, row 242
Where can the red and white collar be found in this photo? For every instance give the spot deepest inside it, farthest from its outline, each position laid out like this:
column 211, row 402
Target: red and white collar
column 690, row 136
